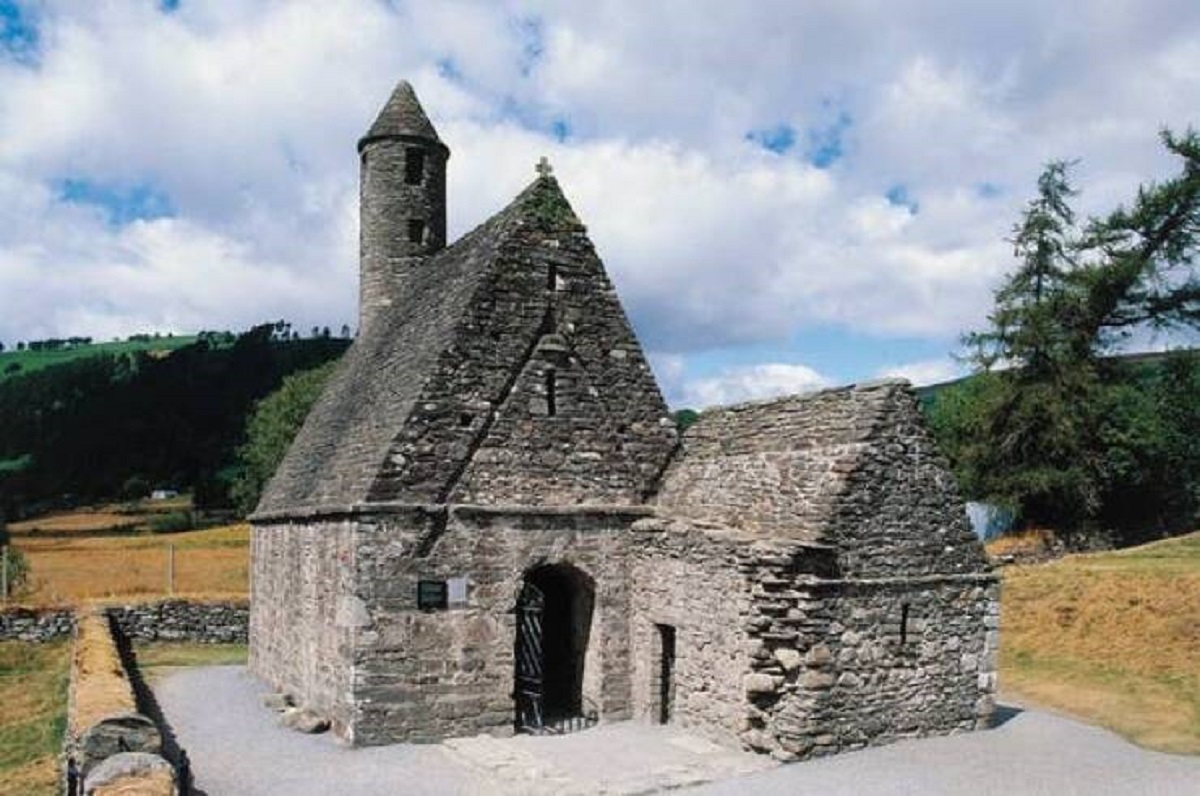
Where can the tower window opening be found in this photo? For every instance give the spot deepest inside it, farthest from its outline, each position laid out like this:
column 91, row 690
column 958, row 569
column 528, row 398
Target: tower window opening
column 903, row 624
column 416, row 230
column 414, row 166
column 551, row 277
column 551, row 393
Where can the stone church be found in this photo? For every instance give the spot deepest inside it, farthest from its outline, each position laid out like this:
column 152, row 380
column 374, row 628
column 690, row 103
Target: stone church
column 489, row 522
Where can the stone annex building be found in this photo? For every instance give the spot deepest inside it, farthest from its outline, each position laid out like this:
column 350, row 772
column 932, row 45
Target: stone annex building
column 489, row 523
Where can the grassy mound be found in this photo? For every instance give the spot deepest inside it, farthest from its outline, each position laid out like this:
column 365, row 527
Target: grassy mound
column 1111, row 637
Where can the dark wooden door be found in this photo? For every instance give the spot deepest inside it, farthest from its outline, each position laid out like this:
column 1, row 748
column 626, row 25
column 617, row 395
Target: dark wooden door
column 530, row 659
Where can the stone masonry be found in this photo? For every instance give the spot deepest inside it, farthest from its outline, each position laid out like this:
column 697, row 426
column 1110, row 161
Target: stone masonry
column 489, row 523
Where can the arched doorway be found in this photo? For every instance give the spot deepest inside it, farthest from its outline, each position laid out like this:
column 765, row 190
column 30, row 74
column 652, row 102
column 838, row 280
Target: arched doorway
column 554, row 621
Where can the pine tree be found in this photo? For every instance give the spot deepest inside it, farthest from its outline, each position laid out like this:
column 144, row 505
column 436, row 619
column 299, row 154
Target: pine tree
column 1040, row 439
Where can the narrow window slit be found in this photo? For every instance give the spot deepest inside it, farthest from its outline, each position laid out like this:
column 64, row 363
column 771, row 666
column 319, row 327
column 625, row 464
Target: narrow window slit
column 903, row 624
column 416, row 230
column 551, row 393
column 551, row 277
column 414, row 166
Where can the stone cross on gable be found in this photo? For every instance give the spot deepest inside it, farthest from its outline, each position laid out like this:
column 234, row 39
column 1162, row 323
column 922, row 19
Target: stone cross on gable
column 543, row 167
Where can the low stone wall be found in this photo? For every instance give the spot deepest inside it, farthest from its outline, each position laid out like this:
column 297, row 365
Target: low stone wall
column 38, row 626
column 103, row 718
column 180, row 620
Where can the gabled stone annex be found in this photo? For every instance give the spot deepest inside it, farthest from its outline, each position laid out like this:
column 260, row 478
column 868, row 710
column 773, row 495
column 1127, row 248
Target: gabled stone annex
column 489, row 524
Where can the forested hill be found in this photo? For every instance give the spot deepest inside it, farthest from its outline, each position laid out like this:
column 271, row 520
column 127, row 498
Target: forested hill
column 97, row 426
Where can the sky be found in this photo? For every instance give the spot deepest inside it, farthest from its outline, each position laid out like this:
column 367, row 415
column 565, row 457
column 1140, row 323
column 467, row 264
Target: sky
column 788, row 195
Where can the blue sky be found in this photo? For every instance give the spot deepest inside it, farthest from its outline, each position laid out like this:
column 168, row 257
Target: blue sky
column 788, row 195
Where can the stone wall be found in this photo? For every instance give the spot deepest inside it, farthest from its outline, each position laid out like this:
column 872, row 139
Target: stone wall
column 423, row 675
column 840, row 664
column 776, row 653
column 27, row 624
column 181, row 620
column 386, row 204
column 692, row 582
column 302, row 613
column 900, row 512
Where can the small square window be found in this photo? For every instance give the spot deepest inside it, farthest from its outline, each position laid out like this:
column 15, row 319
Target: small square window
column 431, row 595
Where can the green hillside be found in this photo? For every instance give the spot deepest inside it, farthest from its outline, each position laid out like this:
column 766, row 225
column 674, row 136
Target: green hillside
column 112, row 421
column 19, row 363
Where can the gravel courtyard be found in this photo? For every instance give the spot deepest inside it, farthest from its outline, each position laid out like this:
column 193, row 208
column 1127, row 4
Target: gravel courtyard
column 236, row 748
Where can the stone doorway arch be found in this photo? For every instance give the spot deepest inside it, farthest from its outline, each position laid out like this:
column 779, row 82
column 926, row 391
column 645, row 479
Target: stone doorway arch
column 554, row 622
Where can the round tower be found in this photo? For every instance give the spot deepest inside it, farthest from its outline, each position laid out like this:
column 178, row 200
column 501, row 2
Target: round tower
column 402, row 201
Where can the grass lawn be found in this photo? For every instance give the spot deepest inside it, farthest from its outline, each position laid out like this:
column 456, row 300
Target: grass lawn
column 1113, row 638
column 212, row 563
column 155, row 658
column 33, row 714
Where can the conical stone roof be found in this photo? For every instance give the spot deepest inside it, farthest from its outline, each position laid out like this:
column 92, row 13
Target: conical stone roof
column 401, row 117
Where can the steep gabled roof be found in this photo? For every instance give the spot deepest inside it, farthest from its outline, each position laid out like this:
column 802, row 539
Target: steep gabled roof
column 777, row 467
column 855, row 468
column 342, row 446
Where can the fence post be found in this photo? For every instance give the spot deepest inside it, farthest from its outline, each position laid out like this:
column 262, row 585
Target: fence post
column 171, row 569
column 4, row 574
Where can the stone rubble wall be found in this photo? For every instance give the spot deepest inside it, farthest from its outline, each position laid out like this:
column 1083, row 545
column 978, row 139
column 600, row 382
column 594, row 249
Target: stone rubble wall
column 386, row 204
column 36, row 625
column 832, row 670
column 182, row 620
column 480, row 432
column 693, row 582
column 103, row 719
column 426, row 675
column 301, row 640
column 900, row 512
column 777, row 654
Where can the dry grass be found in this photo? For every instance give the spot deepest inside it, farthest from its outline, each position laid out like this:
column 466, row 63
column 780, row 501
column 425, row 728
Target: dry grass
column 101, row 519
column 33, row 707
column 207, row 563
column 158, row 659
column 1112, row 637
column 1032, row 542
column 163, row 654
column 157, row 783
column 101, row 686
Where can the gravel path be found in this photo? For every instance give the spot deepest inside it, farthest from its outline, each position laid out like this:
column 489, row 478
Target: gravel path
column 236, row 748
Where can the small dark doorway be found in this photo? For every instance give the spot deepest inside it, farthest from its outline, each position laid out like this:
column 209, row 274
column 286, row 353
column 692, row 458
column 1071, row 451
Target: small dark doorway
column 554, row 619
column 666, row 673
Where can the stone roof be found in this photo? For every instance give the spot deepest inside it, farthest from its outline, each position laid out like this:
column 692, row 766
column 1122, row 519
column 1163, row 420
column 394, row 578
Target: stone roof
column 344, row 441
column 402, row 117
column 779, row 466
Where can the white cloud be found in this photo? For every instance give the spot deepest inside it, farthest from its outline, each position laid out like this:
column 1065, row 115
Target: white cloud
column 246, row 114
column 750, row 382
column 923, row 372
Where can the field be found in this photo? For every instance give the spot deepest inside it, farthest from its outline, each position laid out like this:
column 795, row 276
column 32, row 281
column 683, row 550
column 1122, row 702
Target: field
column 137, row 515
column 213, row 563
column 30, row 361
column 33, row 709
column 1113, row 638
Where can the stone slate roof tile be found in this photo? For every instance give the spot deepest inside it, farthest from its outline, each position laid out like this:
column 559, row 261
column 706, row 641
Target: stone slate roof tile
column 778, row 467
column 340, row 449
